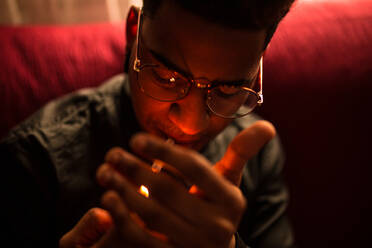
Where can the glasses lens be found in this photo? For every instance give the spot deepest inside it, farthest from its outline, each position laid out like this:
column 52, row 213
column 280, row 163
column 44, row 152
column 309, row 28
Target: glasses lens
column 231, row 102
column 162, row 84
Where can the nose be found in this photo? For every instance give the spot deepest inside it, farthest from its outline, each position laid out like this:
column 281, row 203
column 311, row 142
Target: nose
column 190, row 114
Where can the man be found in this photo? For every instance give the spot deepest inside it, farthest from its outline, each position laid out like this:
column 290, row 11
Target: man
column 193, row 69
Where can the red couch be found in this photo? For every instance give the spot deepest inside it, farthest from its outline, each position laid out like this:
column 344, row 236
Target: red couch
column 317, row 93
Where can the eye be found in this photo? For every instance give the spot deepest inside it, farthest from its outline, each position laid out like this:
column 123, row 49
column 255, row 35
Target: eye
column 164, row 78
column 228, row 90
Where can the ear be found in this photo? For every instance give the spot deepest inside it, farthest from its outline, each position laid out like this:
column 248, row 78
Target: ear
column 130, row 35
column 131, row 25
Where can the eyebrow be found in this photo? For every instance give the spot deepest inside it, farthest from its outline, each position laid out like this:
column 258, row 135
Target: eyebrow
column 170, row 65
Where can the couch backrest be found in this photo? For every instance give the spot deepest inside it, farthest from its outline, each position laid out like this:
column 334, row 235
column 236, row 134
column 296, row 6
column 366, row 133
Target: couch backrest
column 40, row 63
column 317, row 89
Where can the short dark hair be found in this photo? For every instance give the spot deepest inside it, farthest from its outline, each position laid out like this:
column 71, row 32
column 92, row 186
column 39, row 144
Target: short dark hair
column 237, row 14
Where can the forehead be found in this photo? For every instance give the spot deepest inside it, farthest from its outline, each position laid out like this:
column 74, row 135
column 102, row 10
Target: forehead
column 201, row 48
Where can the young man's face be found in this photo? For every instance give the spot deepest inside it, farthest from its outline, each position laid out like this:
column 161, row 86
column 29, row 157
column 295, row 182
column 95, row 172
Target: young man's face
column 203, row 50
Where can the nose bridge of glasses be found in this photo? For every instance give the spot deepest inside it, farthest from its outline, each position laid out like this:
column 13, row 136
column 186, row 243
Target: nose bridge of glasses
column 202, row 86
column 201, row 83
column 186, row 83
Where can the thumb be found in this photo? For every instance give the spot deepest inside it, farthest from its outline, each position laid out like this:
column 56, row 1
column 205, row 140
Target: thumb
column 88, row 230
column 243, row 147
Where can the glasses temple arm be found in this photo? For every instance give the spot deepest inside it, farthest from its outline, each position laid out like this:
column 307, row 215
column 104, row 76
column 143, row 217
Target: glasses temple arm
column 137, row 62
column 260, row 93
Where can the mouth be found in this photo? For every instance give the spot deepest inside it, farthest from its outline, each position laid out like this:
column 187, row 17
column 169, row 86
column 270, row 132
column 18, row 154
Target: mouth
column 166, row 130
column 181, row 140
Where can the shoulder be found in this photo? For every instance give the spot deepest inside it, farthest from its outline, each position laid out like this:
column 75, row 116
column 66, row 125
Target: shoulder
column 51, row 142
column 69, row 112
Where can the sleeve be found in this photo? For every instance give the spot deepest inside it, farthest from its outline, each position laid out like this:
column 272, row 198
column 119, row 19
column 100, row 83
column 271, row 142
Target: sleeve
column 264, row 223
column 28, row 191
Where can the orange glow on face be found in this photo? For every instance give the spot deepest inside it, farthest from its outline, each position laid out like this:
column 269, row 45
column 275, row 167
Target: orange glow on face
column 143, row 190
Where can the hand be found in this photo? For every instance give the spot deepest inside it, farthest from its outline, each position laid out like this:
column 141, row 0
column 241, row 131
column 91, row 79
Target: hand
column 171, row 216
column 88, row 231
column 243, row 147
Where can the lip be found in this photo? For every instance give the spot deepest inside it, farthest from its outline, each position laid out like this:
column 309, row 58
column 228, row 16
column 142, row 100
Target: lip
column 179, row 140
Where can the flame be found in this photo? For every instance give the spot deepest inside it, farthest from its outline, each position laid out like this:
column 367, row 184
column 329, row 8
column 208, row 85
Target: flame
column 143, row 190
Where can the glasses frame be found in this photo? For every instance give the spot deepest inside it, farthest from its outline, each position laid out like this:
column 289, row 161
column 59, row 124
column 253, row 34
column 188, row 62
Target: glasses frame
column 138, row 66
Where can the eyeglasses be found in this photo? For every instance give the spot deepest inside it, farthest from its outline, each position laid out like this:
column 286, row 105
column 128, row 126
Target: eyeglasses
column 158, row 81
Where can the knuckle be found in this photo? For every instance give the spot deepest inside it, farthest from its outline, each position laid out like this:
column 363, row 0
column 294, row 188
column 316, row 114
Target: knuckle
column 237, row 205
column 223, row 231
column 129, row 168
column 239, row 201
column 113, row 181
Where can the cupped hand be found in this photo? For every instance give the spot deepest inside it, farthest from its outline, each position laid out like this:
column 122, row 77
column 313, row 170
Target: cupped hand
column 207, row 215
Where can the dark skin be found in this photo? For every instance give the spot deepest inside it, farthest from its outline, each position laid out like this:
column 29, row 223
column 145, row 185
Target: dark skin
column 208, row 214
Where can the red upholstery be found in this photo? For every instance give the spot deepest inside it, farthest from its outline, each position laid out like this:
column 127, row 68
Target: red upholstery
column 316, row 88
column 40, row 63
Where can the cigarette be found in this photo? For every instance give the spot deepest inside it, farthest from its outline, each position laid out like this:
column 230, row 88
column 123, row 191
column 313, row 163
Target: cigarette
column 158, row 165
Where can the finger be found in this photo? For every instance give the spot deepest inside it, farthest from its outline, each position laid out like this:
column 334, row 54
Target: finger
column 88, row 230
column 155, row 216
column 243, row 147
column 193, row 166
column 169, row 194
column 163, row 188
column 115, row 157
column 126, row 230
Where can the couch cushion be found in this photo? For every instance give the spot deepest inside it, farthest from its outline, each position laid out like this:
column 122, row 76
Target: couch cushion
column 39, row 63
column 317, row 89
